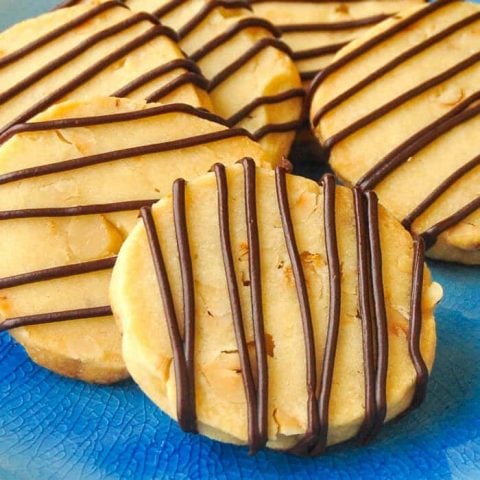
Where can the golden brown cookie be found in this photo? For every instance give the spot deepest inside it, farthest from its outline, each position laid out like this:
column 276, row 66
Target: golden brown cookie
column 71, row 184
column 91, row 50
column 398, row 110
column 263, row 308
column 253, row 82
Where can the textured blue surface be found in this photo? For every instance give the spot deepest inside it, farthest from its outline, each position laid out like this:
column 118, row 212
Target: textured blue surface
column 54, row 428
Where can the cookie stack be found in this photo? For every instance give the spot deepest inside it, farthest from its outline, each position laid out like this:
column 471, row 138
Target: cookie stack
column 150, row 225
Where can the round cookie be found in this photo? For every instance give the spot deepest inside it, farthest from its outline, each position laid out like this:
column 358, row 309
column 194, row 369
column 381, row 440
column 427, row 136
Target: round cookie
column 398, row 110
column 251, row 303
column 71, row 184
column 90, row 50
column 253, row 82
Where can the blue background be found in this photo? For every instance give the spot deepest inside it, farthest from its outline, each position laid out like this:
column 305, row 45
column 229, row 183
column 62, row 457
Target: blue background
column 55, row 428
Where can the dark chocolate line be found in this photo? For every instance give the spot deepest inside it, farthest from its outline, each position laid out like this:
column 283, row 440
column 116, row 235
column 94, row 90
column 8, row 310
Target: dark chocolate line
column 184, row 79
column 334, row 309
column 186, row 270
column 395, row 62
column 415, row 328
column 205, row 11
column 55, row 34
column 235, row 305
column 179, row 63
column 379, row 314
column 266, row 100
column 430, row 236
column 401, row 99
column 318, row 51
column 71, row 54
column 88, row 73
column 167, row 8
column 308, row 75
column 76, row 211
column 333, row 26
column 365, row 300
column 374, row 41
column 439, row 191
column 184, row 412
column 57, row 272
column 223, row 37
column 54, row 317
column 124, row 154
column 64, row 123
column 398, row 156
column 277, row 128
column 245, row 58
column 255, row 276
column 305, row 312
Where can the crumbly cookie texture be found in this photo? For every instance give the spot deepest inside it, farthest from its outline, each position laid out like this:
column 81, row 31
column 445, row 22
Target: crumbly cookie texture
column 92, row 50
column 398, row 110
column 253, row 82
column 236, row 283
column 71, row 184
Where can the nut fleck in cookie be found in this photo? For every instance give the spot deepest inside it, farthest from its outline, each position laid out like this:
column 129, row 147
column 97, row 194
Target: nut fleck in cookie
column 398, row 109
column 71, row 184
column 253, row 82
column 91, row 50
column 263, row 308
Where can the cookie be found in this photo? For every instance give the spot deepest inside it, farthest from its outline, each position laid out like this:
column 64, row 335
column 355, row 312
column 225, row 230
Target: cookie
column 252, row 302
column 398, row 110
column 253, row 83
column 90, row 50
column 71, row 184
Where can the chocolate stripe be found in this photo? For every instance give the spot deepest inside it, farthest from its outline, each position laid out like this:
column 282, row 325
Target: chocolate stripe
column 205, row 11
column 277, row 128
column 54, row 317
column 77, row 210
column 254, row 264
column 186, row 269
column 401, row 99
column 318, row 51
column 167, row 8
column 332, row 26
column 395, row 62
column 380, row 314
column 245, row 58
column 222, row 38
column 179, row 63
column 309, row 74
column 375, row 41
column 184, row 411
column 430, row 236
column 334, row 309
column 57, row 272
column 415, row 328
column 86, row 74
column 187, row 78
column 266, row 100
column 56, row 33
column 439, row 191
column 78, row 122
column 365, row 293
column 116, row 155
column 305, row 312
column 398, row 156
column 235, row 305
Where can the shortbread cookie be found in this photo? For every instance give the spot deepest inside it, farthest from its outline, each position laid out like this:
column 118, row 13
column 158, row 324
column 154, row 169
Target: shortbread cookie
column 398, row 109
column 253, row 82
column 263, row 308
column 316, row 30
column 71, row 184
column 96, row 49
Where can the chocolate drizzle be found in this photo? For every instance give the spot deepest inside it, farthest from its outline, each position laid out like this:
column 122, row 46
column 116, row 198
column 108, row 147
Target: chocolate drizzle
column 372, row 308
column 183, row 371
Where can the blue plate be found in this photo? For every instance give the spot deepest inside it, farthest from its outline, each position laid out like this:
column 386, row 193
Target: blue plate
column 55, row 428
